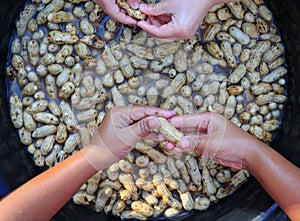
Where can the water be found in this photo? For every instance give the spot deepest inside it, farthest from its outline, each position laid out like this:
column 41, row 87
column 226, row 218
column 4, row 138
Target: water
column 146, row 80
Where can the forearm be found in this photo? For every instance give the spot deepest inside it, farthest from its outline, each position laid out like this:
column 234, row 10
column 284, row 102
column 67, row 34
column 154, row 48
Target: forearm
column 41, row 197
column 279, row 177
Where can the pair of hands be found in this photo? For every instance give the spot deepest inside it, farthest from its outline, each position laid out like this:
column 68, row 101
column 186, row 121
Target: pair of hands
column 169, row 20
column 207, row 133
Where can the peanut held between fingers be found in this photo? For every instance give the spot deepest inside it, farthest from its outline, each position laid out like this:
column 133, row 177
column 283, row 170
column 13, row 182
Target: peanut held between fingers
column 134, row 13
column 169, row 132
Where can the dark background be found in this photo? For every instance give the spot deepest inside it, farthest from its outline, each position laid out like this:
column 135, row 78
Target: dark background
column 251, row 200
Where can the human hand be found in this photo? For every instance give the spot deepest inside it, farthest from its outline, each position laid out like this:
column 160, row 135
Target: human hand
column 115, row 12
column 172, row 20
column 215, row 136
column 121, row 129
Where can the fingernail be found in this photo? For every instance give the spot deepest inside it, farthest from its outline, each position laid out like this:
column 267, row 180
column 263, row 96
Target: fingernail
column 169, row 146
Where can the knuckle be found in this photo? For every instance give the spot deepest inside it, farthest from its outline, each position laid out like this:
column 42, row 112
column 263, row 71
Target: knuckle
column 144, row 126
column 195, row 142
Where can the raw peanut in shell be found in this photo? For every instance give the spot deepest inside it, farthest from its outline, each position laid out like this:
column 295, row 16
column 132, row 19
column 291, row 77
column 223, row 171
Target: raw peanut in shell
column 134, row 13
column 169, row 131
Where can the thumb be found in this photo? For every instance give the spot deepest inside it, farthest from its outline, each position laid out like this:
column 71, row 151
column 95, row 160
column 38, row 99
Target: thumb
column 143, row 128
column 154, row 9
column 133, row 3
column 193, row 143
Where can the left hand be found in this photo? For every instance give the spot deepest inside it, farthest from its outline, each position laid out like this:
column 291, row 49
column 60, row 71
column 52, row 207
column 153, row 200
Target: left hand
column 122, row 128
column 115, row 12
column 172, row 20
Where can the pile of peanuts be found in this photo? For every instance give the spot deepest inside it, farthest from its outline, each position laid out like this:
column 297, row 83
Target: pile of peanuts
column 70, row 63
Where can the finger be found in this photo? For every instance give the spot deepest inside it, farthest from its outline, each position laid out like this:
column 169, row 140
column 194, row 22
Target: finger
column 158, row 22
column 207, row 145
column 163, row 31
column 152, row 136
column 178, row 150
column 161, row 138
column 116, row 13
column 133, row 3
column 191, row 131
column 126, row 120
column 155, row 9
column 143, row 128
column 192, row 122
column 123, row 18
column 154, row 21
column 193, row 143
column 170, row 146
column 138, row 112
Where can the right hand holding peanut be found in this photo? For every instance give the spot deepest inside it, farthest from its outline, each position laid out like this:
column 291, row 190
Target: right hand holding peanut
column 215, row 136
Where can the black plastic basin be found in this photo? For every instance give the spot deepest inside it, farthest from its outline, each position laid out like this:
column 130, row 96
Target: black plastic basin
column 16, row 166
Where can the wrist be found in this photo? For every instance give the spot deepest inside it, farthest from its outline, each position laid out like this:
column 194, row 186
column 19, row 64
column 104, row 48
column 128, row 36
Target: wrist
column 255, row 153
column 98, row 157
